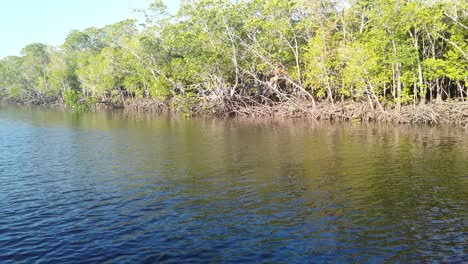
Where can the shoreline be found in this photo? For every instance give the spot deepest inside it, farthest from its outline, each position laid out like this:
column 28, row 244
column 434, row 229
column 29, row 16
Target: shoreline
column 432, row 114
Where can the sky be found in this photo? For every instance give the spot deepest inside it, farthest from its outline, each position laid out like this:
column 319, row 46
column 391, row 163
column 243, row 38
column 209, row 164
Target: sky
column 23, row 22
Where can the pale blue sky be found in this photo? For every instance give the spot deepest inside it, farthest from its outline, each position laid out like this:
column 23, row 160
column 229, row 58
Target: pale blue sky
column 49, row 21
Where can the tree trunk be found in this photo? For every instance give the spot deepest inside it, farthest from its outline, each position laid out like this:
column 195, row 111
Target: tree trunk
column 423, row 90
column 397, row 76
column 439, row 92
column 460, row 88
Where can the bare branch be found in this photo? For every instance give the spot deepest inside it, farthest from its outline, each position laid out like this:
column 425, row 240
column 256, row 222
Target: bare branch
column 455, row 20
column 455, row 46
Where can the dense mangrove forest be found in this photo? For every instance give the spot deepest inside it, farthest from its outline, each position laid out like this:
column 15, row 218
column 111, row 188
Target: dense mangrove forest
column 388, row 60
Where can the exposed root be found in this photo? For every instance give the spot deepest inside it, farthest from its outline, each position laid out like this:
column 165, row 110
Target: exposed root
column 148, row 105
column 433, row 114
column 261, row 106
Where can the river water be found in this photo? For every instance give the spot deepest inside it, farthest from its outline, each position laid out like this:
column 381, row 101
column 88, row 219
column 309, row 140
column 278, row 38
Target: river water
column 114, row 187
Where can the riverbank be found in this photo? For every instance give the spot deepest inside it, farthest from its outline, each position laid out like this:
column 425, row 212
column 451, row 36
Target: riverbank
column 455, row 113
column 442, row 113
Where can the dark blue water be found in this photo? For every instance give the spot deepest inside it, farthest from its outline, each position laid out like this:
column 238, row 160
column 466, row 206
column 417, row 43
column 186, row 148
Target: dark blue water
column 127, row 188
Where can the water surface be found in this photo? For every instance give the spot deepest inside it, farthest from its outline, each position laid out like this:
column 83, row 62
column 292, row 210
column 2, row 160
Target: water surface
column 113, row 187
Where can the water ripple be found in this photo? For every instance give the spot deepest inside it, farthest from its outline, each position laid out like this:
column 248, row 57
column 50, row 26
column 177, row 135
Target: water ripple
column 93, row 189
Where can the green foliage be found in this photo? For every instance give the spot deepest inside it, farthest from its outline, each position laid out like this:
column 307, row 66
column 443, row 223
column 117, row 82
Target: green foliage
column 185, row 104
column 159, row 88
column 273, row 50
column 75, row 100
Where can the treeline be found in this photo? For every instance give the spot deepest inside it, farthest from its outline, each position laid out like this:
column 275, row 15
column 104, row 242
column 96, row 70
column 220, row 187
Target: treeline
column 227, row 54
